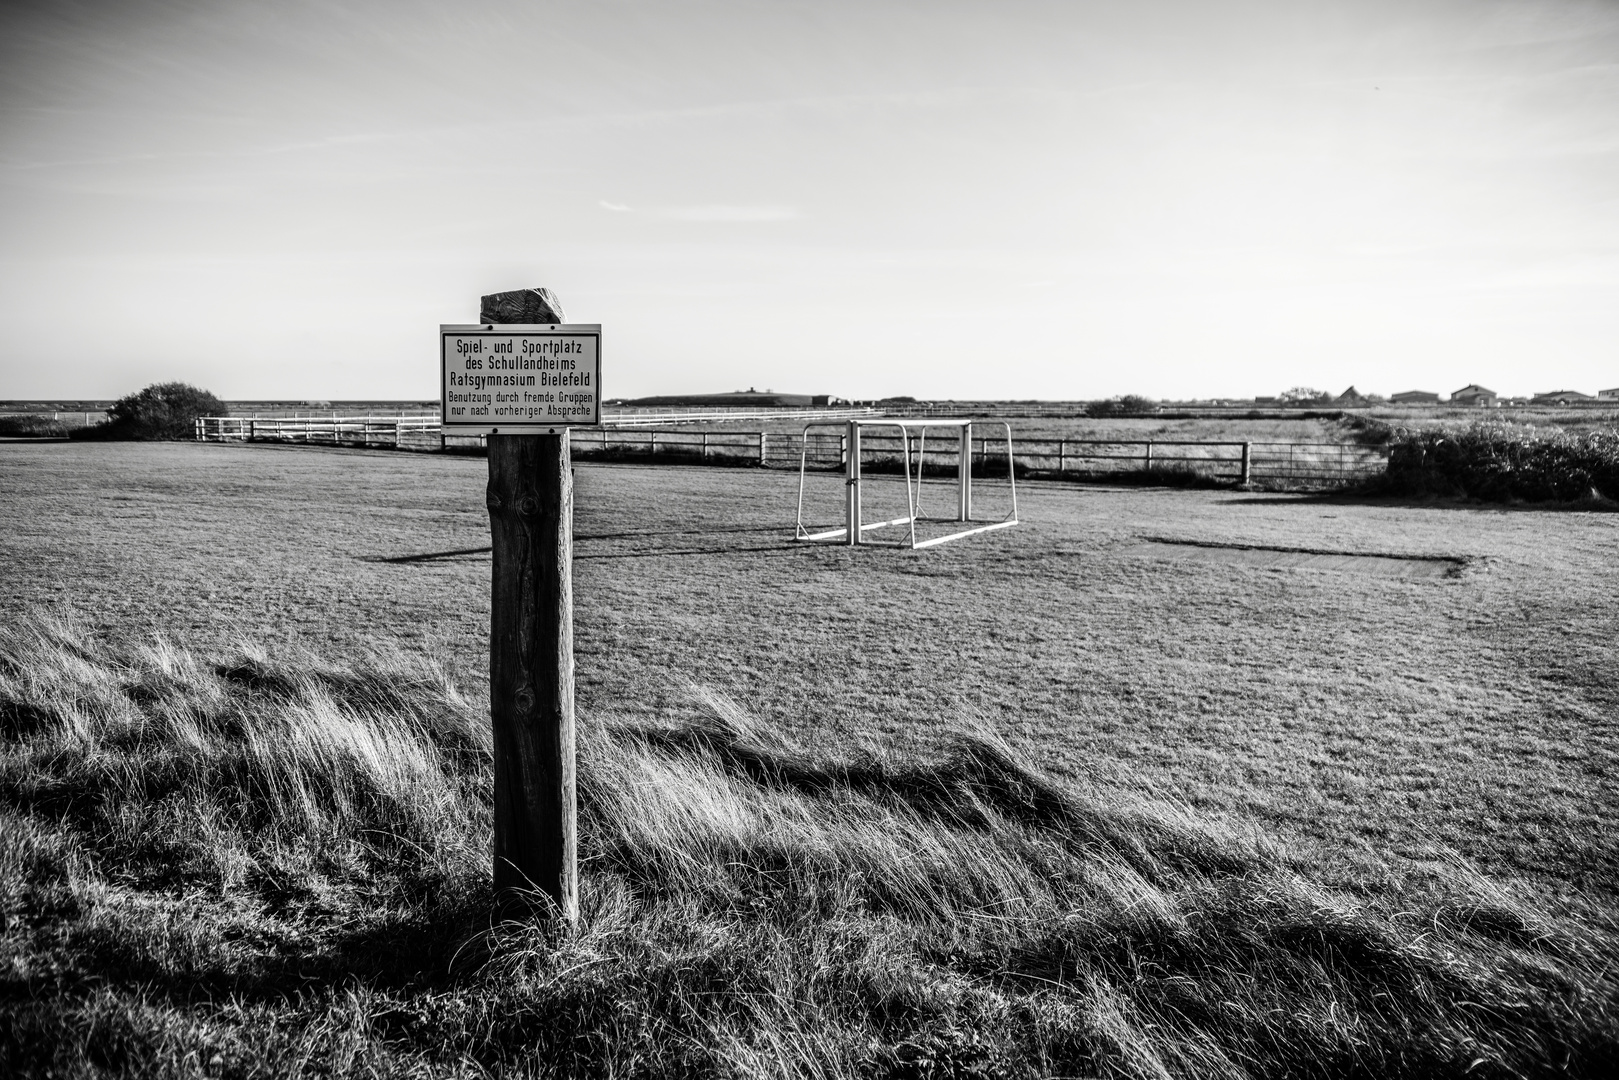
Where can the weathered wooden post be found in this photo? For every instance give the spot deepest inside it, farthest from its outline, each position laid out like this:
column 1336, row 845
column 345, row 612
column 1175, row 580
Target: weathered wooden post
column 530, row 499
column 522, row 378
column 1247, row 462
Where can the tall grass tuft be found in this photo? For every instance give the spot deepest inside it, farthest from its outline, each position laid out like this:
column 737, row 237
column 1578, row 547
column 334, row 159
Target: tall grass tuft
column 256, row 865
column 1502, row 462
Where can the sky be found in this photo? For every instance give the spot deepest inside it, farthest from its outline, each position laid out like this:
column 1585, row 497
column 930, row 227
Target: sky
column 999, row 199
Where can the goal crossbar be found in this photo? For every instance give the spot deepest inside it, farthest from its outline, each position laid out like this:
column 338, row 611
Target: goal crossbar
column 853, row 531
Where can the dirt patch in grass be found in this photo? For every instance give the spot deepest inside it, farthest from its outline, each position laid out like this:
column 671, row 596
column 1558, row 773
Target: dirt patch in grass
column 1281, row 558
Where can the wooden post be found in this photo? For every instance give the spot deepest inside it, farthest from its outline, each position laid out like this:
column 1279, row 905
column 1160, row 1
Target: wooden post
column 1062, row 455
column 530, row 499
column 1247, row 462
column 761, row 449
column 1149, row 456
column 705, row 446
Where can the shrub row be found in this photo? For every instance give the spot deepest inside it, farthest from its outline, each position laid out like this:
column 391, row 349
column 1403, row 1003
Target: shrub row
column 1501, row 463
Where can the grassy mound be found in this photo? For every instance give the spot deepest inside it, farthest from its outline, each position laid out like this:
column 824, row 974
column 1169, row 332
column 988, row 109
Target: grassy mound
column 274, row 866
column 1504, row 463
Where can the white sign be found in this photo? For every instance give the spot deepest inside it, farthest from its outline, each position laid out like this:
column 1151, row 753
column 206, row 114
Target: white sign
column 518, row 379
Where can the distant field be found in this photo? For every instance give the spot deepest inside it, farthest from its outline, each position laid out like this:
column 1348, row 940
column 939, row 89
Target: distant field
column 1371, row 717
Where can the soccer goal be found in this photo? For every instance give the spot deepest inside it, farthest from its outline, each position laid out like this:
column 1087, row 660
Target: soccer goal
column 912, row 432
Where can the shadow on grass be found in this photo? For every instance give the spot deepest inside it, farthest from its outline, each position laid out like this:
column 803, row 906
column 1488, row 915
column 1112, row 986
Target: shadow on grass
column 1433, row 502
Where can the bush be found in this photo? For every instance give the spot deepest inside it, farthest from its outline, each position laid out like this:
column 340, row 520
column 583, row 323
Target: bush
column 1499, row 463
column 1128, row 405
column 161, row 411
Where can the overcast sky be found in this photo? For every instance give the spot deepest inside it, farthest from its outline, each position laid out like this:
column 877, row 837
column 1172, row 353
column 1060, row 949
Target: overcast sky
column 997, row 199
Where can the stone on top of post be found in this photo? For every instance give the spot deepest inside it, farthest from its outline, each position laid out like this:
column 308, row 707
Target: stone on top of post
column 521, row 306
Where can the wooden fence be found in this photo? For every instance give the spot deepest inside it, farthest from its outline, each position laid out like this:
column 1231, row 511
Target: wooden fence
column 1302, row 465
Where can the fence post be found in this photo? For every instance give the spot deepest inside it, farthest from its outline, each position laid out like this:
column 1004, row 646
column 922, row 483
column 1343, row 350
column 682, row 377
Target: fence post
column 1062, row 455
column 705, row 446
column 1149, row 455
column 654, row 435
column 1247, row 462
column 761, row 449
column 530, row 499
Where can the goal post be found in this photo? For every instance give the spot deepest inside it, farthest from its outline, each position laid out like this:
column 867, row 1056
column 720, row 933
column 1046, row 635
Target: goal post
column 855, row 526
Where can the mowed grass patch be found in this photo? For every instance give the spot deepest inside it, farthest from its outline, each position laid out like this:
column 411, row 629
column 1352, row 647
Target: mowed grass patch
column 1372, row 722
column 261, row 862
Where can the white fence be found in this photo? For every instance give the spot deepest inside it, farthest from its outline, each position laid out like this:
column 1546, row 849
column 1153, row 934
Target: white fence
column 399, row 431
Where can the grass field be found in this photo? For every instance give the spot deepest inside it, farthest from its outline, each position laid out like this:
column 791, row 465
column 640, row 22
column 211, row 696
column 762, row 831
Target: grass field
column 1380, row 739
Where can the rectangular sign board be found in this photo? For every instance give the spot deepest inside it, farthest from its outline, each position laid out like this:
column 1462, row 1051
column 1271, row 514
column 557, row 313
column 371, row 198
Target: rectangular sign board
column 519, row 379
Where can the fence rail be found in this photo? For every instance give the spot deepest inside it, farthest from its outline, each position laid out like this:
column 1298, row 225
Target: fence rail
column 1291, row 464
column 420, row 432
column 653, row 417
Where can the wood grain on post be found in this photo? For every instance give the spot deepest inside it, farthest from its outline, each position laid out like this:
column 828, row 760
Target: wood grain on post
column 530, row 499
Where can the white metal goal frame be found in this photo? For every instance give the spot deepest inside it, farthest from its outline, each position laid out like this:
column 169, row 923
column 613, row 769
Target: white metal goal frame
column 852, row 533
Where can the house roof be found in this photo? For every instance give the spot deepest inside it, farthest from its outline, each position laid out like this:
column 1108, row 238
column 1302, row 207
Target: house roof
column 1473, row 388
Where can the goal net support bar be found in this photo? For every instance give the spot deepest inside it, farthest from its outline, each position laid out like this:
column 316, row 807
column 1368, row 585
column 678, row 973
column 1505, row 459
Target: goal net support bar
column 853, row 531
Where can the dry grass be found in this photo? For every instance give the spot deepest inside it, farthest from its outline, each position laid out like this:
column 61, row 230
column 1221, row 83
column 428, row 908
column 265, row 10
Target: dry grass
column 253, row 864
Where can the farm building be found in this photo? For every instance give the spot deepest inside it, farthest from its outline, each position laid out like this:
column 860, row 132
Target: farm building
column 1559, row 397
column 1608, row 395
column 1414, row 397
column 1474, row 395
column 1351, row 397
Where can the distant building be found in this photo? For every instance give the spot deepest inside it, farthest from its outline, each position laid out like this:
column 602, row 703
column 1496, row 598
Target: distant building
column 1351, row 397
column 746, row 399
column 1474, row 396
column 1414, row 397
column 1608, row 395
column 1559, row 397
column 826, row 400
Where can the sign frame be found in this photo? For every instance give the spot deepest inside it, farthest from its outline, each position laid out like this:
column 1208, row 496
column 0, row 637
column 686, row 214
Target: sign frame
column 586, row 335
